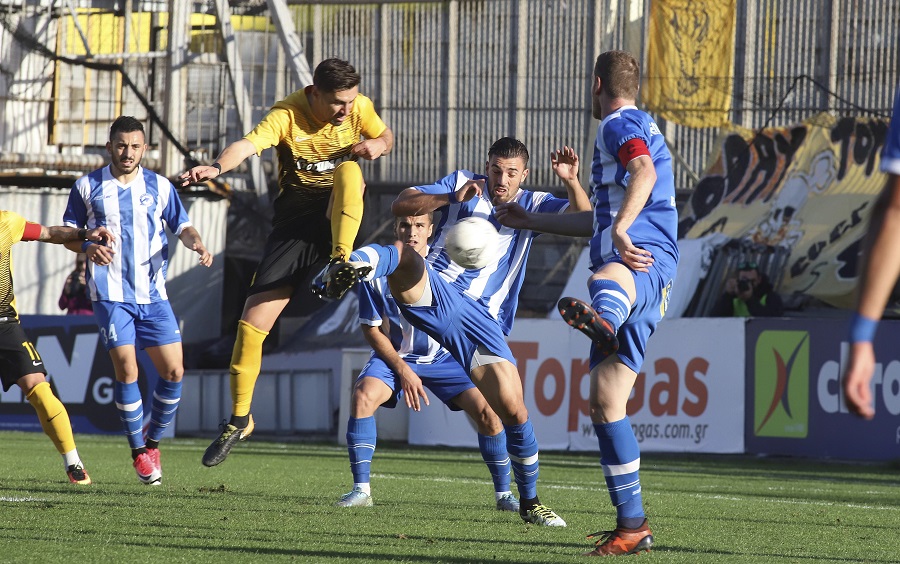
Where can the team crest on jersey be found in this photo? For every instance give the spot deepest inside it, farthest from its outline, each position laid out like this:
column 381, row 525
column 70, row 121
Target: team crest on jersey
column 146, row 200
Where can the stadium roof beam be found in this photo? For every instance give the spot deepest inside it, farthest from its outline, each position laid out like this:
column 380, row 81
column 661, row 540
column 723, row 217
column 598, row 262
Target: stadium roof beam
column 243, row 104
column 290, row 42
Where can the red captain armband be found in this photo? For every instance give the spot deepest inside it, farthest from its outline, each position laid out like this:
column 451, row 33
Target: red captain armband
column 632, row 149
column 32, row 231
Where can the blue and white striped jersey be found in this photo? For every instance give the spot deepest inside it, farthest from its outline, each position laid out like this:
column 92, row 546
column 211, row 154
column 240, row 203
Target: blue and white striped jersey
column 137, row 214
column 890, row 155
column 414, row 345
column 497, row 285
column 657, row 223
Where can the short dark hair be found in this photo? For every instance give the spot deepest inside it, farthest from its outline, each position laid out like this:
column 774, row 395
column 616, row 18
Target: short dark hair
column 620, row 74
column 125, row 124
column 508, row 148
column 335, row 75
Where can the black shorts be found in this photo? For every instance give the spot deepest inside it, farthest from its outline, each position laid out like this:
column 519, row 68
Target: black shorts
column 300, row 238
column 18, row 356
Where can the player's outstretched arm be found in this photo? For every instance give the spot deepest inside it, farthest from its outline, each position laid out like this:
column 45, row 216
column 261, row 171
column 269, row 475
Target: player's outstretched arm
column 415, row 202
column 230, row 158
column 578, row 224
column 190, row 238
column 61, row 235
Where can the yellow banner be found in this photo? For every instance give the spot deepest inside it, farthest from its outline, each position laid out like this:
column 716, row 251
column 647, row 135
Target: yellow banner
column 690, row 61
column 807, row 188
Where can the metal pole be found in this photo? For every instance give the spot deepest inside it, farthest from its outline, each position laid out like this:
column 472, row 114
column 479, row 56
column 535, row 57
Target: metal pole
column 174, row 111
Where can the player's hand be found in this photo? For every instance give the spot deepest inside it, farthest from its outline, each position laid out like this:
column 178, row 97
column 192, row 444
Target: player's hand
column 565, row 163
column 511, row 214
column 206, row 258
column 858, row 379
column 369, row 149
column 100, row 235
column 101, row 255
column 197, row 174
column 635, row 258
column 412, row 388
column 471, row 189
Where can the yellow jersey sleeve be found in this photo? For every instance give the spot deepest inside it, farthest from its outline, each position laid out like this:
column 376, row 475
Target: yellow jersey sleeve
column 12, row 227
column 371, row 123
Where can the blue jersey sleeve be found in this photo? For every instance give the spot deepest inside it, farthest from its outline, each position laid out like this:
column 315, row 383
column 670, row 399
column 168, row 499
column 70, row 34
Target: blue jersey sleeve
column 620, row 131
column 890, row 156
column 545, row 202
column 76, row 210
column 174, row 214
column 371, row 304
column 448, row 184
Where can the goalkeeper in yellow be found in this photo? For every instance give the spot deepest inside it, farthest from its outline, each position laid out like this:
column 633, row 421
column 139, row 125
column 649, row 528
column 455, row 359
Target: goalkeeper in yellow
column 20, row 363
column 319, row 133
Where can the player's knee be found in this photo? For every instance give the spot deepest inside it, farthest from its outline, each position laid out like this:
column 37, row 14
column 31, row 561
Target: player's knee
column 362, row 404
column 488, row 423
column 174, row 374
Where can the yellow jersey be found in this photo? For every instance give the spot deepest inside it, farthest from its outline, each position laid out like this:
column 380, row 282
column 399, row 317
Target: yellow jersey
column 12, row 227
column 307, row 151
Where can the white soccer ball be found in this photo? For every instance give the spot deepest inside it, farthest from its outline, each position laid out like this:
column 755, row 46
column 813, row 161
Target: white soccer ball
column 472, row 242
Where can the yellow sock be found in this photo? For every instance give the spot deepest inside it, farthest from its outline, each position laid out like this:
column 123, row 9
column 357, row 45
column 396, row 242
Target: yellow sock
column 53, row 416
column 347, row 208
column 246, row 359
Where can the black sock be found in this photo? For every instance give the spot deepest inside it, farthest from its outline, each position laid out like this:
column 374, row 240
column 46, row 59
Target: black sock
column 630, row 522
column 527, row 504
column 152, row 444
column 136, row 452
column 240, row 422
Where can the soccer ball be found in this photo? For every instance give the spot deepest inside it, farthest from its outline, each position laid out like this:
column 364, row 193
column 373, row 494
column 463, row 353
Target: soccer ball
column 472, row 243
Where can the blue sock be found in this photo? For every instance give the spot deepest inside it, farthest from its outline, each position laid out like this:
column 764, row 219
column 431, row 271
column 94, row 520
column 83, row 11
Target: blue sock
column 493, row 451
column 361, row 438
column 131, row 411
column 620, row 458
column 164, row 405
column 610, row 301
column 383, row 258
column 523, row 454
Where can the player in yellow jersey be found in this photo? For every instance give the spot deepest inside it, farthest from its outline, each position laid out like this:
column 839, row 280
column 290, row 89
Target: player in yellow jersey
column 20, row 362
column 319, row 133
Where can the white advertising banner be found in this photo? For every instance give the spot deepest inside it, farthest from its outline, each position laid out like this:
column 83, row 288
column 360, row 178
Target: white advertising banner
column 689, row 396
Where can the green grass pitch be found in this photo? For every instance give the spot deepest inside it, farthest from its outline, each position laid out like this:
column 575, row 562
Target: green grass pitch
column 272, row 501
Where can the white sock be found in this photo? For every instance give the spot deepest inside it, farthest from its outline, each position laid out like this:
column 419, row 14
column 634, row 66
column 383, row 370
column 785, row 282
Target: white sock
column 501, row 494
column 364, row 488
column 71, row 458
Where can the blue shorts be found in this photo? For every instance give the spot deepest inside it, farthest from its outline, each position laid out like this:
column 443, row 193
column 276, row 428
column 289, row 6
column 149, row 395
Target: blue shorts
column 445, row 378
column 147, row 325
column 457, row 322
column 652, row 298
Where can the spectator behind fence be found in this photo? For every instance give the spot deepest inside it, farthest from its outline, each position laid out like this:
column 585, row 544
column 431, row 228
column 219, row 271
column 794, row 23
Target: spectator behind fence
column 748, row 295
column 75, row 299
